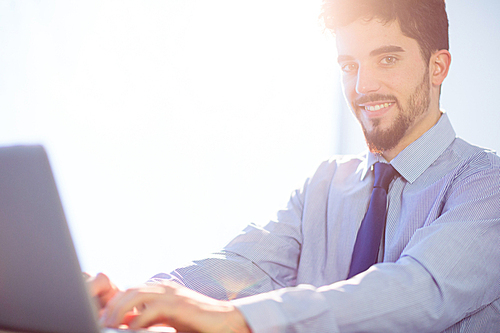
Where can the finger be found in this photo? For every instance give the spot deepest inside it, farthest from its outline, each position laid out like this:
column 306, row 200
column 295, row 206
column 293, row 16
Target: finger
column 155, row 313
column 86, row 276
column 129, row 316
column 178, row 307
column 185, row 314
column 100, row 284
column 124, row 302
column 101, row 289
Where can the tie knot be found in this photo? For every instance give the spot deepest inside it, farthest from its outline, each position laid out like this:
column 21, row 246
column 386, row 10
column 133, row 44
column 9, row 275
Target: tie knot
column 384, row 173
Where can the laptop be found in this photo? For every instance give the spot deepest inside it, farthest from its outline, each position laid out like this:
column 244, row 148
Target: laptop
column 42, row 288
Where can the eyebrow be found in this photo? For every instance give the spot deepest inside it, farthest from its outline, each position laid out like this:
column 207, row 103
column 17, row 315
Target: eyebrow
column 386, row 49
column 376, row 52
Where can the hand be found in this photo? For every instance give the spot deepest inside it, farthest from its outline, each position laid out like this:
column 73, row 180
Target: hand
column 101, row 288
column 173, row 305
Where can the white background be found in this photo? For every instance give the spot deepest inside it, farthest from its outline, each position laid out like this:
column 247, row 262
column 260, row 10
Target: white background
column 173, row 124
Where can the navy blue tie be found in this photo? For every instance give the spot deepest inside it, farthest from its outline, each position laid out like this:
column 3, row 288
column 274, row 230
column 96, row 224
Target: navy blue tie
column 370, row 232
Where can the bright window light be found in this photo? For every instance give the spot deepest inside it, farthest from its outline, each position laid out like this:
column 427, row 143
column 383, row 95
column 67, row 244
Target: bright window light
column 170, row 124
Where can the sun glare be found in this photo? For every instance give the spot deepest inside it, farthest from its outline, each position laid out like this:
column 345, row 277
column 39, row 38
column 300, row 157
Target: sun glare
column 170, row 124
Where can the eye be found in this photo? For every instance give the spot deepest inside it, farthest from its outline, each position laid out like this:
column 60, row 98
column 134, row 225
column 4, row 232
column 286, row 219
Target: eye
column 349, row 67
column 389, row 60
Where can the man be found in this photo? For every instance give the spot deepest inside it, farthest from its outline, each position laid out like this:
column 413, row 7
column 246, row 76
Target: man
column 436, row 264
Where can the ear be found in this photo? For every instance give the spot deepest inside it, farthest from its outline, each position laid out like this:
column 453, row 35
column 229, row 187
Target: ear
column 439, row 65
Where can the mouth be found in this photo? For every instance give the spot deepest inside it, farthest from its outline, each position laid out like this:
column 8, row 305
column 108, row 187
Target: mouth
column 376, row 109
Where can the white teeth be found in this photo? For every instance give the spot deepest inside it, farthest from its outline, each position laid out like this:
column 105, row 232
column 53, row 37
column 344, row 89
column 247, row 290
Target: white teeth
column 377, row 107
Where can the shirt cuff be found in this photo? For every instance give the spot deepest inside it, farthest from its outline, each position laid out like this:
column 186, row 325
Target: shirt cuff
column 301, row 308
column 261, row 313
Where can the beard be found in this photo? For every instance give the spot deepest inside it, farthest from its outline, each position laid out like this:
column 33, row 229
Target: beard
column 380, row 140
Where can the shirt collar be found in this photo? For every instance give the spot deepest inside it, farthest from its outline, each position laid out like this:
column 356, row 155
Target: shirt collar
column 412, row 161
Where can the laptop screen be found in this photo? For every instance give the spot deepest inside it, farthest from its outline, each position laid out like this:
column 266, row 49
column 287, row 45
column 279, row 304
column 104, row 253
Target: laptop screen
column 41, row 285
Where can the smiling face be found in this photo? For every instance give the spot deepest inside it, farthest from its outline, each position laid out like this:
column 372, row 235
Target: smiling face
column 387, row 84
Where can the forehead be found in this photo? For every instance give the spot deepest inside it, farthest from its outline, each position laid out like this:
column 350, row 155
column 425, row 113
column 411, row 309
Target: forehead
column 361, row 37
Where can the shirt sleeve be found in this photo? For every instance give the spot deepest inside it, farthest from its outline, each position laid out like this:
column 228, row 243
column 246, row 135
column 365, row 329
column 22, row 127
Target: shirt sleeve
column 258, row 260
column 447, row 273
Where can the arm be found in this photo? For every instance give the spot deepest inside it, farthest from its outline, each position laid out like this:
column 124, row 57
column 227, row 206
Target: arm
column 427, row 289
column 259, row 260
column 269, row 263
column 224, row 276
column 448, row 271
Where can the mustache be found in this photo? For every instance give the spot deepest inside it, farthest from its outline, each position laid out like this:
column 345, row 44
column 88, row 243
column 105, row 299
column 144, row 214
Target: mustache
column 373, row 98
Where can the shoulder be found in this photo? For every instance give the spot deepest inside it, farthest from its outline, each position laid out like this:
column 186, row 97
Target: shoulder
column 471, row 158
column 469, row 168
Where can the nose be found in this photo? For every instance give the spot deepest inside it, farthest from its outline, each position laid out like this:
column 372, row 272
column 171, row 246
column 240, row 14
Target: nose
column 367, row 81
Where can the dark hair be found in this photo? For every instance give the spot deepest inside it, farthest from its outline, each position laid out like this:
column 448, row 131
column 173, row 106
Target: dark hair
column 425, row 21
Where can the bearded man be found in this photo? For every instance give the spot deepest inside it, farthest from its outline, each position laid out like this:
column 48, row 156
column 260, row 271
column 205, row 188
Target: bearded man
column 417, row 251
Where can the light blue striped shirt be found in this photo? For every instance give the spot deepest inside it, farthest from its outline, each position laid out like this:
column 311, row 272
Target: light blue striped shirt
column 440, row 268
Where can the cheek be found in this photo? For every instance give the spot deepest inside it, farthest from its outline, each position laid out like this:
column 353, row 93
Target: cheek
column 405, row 81
column 349, row 89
